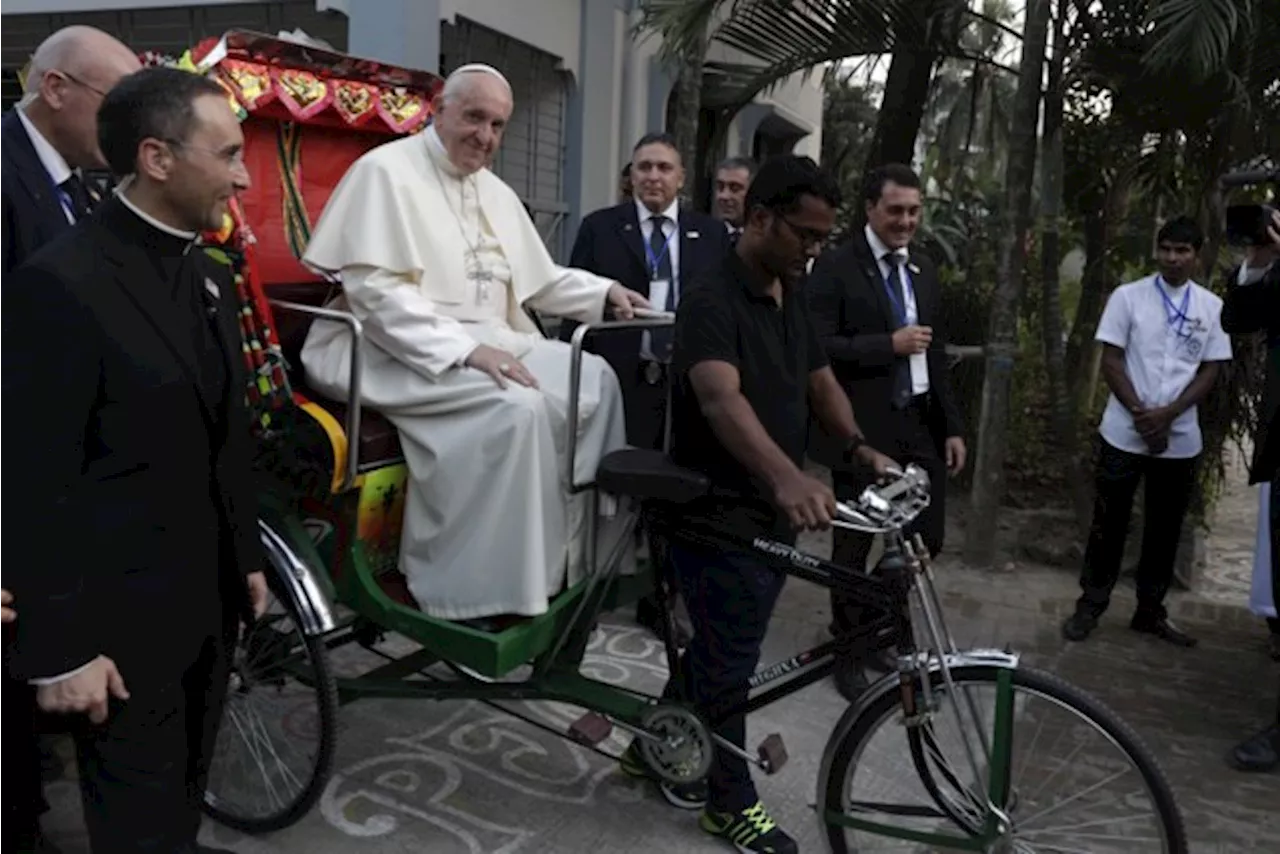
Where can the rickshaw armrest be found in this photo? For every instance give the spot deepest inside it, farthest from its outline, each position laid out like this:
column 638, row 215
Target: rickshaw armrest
column 352, row 425
column 643, row 320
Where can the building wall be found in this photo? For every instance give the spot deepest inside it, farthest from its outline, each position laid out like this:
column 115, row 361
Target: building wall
column 608, row 87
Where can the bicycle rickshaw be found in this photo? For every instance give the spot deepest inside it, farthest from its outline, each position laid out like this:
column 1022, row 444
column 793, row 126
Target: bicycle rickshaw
column 330, row 523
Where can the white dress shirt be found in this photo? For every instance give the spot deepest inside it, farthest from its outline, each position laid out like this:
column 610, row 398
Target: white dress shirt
column 1160, row 360
column 55, row 165
column 658, row 289
column 918, row 362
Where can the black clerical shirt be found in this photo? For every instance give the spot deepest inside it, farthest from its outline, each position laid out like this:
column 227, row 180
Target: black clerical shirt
column 173, row 255
column 723, row 317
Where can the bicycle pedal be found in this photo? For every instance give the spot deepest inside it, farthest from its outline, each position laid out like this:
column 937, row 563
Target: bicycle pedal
column 773, row 754
column 590, row 729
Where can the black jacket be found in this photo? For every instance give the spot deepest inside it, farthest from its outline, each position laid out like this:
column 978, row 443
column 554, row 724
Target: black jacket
column 32, row 214
column 855, row 321
column 610, row 243
column 1256, row 308
column 132, row 516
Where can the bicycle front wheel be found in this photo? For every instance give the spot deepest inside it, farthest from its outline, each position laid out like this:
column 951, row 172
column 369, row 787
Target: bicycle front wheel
column 1069, row 774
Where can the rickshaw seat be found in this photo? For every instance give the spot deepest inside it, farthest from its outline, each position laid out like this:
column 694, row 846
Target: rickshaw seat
column 379, row 442
column 649, row 475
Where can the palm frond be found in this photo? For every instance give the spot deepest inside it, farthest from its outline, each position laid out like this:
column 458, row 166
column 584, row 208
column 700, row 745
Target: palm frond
column 1195, row 37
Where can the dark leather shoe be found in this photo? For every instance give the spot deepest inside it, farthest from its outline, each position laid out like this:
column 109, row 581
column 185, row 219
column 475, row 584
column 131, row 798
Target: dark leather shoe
column 1260, row 753
column 1079, row 626
column 1163, row 629
column 851, row 680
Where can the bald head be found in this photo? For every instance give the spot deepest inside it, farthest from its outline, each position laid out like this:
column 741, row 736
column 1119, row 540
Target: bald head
column 70, row 72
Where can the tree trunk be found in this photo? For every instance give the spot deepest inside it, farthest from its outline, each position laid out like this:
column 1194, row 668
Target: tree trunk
column 688, row 110
column 1002, row 338
column 906, row 91
column 1051, row 186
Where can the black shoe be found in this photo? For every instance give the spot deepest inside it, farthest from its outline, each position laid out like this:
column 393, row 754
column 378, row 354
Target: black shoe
column 685, row 796
column 1163, row 629
column 752, row 831
column 849, row 677
column 1079, row 626
column 1260, row 753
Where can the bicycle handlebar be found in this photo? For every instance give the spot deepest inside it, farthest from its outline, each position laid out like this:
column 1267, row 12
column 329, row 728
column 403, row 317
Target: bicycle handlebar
column 889, row 507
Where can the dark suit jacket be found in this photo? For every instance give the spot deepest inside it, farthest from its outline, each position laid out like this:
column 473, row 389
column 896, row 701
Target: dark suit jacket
column 611, row 244
column 32, row 214
column 133, row 515
column 855, row 320
column 1256, row 308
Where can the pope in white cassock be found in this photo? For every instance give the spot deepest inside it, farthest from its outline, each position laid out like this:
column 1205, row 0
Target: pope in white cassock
column 438, row 258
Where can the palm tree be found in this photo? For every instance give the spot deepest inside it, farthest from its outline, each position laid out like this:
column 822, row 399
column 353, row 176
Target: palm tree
column 778, row 38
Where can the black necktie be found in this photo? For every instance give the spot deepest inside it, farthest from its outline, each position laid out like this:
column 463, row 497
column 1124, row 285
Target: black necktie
column 660, row 268
column 77, row 195
column 902, row 369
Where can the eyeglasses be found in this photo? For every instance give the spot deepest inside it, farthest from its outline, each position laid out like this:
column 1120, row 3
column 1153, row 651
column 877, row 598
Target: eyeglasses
column 234, row 159
column 808, row 236
column 79, row 82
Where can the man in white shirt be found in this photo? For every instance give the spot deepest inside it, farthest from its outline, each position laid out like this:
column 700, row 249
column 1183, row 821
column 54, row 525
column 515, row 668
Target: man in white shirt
column 1163, row 346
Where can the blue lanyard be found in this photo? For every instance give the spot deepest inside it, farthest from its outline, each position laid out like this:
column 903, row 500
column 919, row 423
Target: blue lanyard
column 1178, row 318
column 655, row 261
column 899, row 307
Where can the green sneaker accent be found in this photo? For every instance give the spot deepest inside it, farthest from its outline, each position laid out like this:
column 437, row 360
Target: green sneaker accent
column 752, row 831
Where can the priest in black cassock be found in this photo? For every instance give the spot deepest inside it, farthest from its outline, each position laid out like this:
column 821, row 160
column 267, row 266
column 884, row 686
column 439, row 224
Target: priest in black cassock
column 134, row 552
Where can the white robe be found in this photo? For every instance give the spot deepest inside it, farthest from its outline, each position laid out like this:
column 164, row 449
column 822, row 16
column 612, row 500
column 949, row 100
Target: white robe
column 1262, row 592
column 489, row 525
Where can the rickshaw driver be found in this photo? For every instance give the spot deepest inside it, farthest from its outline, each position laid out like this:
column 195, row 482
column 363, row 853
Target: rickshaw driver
column 749, row 369
column 438, row 259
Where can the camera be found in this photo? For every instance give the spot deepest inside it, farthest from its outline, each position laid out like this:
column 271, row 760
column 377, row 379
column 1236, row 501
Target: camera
column 1246, row 225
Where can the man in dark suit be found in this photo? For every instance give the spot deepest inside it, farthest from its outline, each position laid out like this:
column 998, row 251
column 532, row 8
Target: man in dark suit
column 139, row 551
column 733, row 179
column 1253, row 305
column 651, row 245
column 876, row 305
column 47, row 141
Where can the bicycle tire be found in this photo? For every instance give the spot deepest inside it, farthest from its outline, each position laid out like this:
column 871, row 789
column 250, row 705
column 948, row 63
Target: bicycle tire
column 287, row 814
column 857, row 726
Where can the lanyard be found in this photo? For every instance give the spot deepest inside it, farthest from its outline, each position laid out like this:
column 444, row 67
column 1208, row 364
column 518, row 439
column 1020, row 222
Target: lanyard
column 1175, row 316
column 655, row 261
column 899, row 307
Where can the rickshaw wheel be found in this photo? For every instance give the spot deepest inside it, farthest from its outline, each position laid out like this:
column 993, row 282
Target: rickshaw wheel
column 275, row 749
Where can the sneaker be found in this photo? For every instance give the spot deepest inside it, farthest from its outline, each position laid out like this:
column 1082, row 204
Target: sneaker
column 685, row 796
column 751, row 830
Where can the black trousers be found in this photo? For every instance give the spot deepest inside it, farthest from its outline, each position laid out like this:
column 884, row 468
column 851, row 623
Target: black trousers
column 913, row 443
column 730, row 599
column 23, row 785
column 1167, row 488
column 143, row 772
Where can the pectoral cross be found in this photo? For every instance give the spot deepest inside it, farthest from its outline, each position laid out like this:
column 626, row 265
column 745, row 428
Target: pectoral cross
column 480, row 276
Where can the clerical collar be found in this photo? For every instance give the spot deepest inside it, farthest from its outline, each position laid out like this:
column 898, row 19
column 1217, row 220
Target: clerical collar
column 439, row 154
column 879, row 250
column 148, row 231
